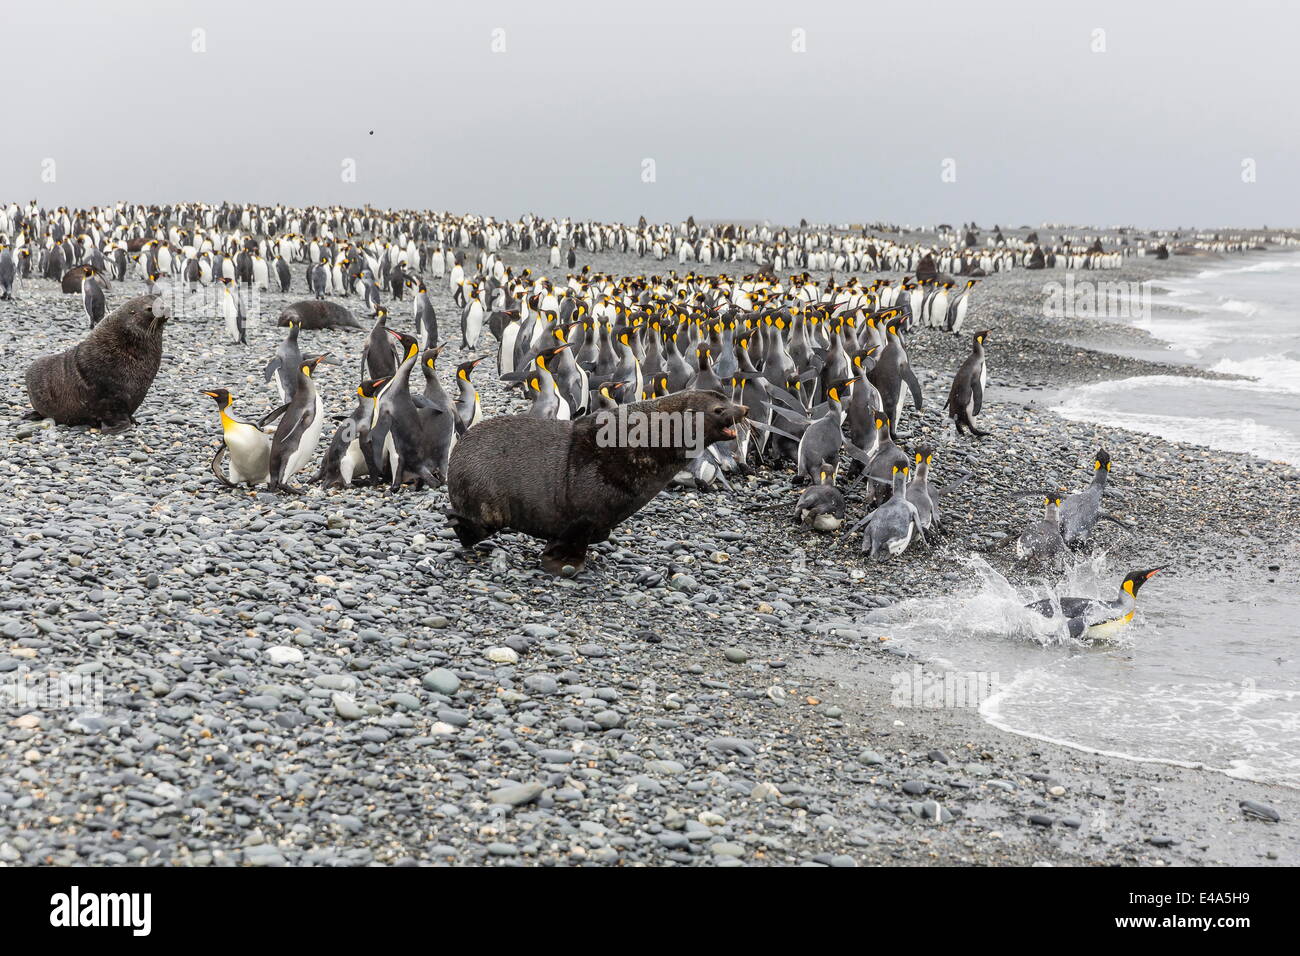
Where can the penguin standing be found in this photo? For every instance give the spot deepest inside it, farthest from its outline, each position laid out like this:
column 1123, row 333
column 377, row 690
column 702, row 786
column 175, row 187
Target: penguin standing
column 401, row 428
column 966, row 397
column 247, row 446
column 233, row 312
column 426, row 319
column 468, row 407
column 8, row 272
column 92, row 297
column 283, row 368
column 893, row 376
column 446, row 426
column 377, row 355
column 890, row 527
column 299, row 432
column 347, row 457
column 282, row 274
column 1080, row 512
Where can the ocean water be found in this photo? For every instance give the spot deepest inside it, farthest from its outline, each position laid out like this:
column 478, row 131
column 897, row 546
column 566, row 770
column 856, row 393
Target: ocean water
column 1240, row 316
column 1207, row 674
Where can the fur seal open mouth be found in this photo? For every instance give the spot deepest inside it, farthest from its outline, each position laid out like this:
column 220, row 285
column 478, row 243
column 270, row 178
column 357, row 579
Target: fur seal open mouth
column 730, row 431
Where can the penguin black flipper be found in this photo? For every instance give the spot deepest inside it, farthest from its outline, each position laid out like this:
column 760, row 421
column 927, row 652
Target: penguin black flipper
column 774, row 430
column 977, row 394
column 791, row 415
column 216, row 466
column 1123, row 524
column 913, row 385
column 952, row 485
column 272, row 367
column 273, row 415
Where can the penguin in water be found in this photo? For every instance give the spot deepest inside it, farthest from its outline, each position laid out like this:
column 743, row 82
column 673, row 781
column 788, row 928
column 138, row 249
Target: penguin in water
column 247, row 446
column 966, row 397
column 890, row 527
column 299, row 433
column 1042, row 542
column 821, row 506
column 283, row 367
column 92, row 297
column 347, row 457
column 1092, row 619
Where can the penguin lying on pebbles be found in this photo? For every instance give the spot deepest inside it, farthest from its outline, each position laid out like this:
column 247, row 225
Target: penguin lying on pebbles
column 1092, row 619
column 821, row 506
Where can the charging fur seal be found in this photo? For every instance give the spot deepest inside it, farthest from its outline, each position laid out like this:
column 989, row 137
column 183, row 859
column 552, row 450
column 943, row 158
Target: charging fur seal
column 102, row 379
column 314, row 314
column 571, row 482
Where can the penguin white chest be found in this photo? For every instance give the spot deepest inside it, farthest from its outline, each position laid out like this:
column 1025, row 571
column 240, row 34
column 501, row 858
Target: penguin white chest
column 249, row 453
column 310, row 439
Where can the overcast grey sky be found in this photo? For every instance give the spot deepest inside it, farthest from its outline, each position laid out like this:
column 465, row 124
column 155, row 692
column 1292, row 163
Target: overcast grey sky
column 1152, row 131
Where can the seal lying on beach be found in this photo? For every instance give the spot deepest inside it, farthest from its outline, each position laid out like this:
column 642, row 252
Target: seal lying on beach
column 571, row 482
column 103, row 379
column 316, row 314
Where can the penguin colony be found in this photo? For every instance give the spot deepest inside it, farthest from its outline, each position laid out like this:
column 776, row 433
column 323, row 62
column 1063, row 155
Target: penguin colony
column 822, row 368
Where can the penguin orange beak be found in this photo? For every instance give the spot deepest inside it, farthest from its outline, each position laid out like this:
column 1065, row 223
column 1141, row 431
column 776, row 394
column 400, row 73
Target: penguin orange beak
column 1148, row 575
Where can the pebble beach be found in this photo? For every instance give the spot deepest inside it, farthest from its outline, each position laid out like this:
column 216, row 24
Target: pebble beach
column 330, row 680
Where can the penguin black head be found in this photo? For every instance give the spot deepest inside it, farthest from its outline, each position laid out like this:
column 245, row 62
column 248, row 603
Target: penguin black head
column 1133, row 583
column 981, row 336
column 1101, row 461
column 309, row 363
column 465, row 369
column 410, row 344
column 370, row 388
column 430, row 356
column 219, row 395
column 923, row 456
column 839, row 389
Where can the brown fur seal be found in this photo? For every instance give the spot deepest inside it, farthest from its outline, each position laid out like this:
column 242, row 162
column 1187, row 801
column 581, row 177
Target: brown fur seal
column 571, row 482
column 317, row 314
column 103, row 379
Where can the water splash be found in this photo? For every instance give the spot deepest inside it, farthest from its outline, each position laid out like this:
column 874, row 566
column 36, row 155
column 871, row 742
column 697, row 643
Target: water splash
column 988, row 606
